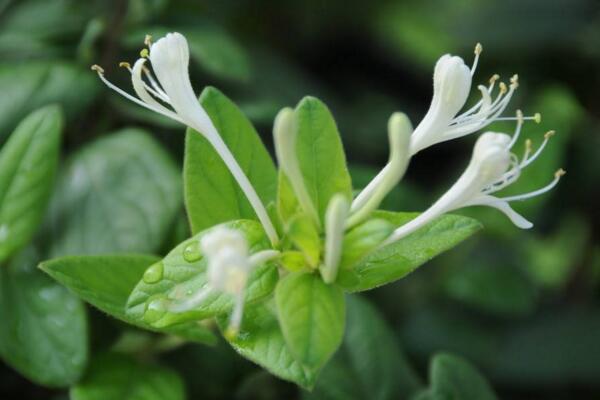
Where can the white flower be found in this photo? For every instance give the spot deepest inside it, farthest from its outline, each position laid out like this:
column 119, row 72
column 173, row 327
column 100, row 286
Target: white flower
column 493, row 167
column 452, row 81
column 229, row 265
column 169, row 57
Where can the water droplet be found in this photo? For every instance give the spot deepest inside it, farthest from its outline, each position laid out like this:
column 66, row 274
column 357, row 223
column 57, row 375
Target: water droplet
column 191, row 252
column 154, row 273
column 3, row 232
column 155, row 310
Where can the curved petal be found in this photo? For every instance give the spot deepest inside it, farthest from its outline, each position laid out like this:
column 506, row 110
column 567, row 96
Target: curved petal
column 503, row 206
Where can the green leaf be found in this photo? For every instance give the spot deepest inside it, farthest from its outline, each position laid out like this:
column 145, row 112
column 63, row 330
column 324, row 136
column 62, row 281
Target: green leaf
column 116, row 377
column 363, row 239
column 183, row 272
column 261, row 341
column 43, row 333
column 320, row 154
column 304, row 235
column 28, row 163
column 454, row 378
column 106, row 282
column 370, row 364
column 398, row 259
column 212, row 195
column 29, row 86
column 312, row 315
column 120, row 193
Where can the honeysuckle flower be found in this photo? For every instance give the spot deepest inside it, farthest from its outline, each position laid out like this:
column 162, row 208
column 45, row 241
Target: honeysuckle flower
column 169, row 58
column 399, row 133
column 228, row 267
column 452, row 81
column 493, row 167
column 335, row 224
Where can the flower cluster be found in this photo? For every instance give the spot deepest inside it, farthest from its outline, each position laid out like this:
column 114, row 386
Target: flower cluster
column 168, row 91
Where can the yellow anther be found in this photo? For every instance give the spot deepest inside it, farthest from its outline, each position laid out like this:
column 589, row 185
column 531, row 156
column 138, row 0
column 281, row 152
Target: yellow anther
column 559, row 173
column 502, row 87
column 124, row 64
column 520, row 116
column 144, row 53
column 478, row 49
column 528, row 145
column 148, row 40
column 97, row 68
column 549, row 134
column 494, row 78
column 514, row 81
column 537, row 117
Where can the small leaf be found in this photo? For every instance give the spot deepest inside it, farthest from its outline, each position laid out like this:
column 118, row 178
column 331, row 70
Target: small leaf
column 370, row 364
column 28, row 163
column 304, row 235
column 261, row 341
column 312, row 315
column 106, row 282
column 116, row 377
column 43, row 333
column 363, row 239
column 212, row 195
column 398, row 259
column 287, row 204
column 183, row 273
column 119, row 194
column 454, row 378
column 320, row 154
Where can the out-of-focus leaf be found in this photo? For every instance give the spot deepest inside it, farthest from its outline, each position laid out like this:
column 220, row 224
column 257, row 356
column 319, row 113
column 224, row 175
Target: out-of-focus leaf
column 118, row 194
column 453, row 377
column 106, row 282
column 312, row 317
column 31, row 85
column 398, row 259
column 183, row 272
column 369, row 364
column 43, row 333
column 139, row 11
column 117, row 377
column 28, row 162
column 212, row 195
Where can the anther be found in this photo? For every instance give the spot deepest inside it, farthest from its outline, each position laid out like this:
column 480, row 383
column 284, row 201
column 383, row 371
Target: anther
column 97, row 68
column 528, row 146
column 520, row 117
column 537, row 117
column 549, row 134
column 144, row 53
column 514, row 81
column 478, row 49
column 494, row 78
column 124, row 64
column 502, row 87
column 559, row 173
column 148, row 40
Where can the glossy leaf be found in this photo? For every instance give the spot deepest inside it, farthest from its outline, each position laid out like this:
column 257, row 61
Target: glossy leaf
column 120, row 193
column 106, row 282
column 183, row 273
column 28, row 163
column 212, row 195
column 312, row 315
column 44, row 330
column 453, row 377
column 398, row 259
column 320, row 154
column 116, row 377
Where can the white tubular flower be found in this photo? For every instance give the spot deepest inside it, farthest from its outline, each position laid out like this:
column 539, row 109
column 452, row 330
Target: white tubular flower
column 169, row 57
column 492, row 168
column 229, row 266
column 335, row 223
column 452, row 81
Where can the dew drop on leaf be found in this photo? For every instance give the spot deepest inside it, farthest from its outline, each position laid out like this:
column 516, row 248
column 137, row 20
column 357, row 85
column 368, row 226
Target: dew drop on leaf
column 191, row 253
column 155, row 309
column 154, row 273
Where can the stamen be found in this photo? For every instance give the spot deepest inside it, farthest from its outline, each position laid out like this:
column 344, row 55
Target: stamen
column 535, row 155
column 97, row 68
column 124, row 64
column 144, row 53
column 502, row 87
column 557, row 175
column 478, row 50
column 520, row 120
column 537, row 117
column 148, row 40
column 514, row 81
column 494, row 78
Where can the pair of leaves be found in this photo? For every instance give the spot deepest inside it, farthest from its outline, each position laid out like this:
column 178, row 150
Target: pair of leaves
column 117, row 377
column 28, row 163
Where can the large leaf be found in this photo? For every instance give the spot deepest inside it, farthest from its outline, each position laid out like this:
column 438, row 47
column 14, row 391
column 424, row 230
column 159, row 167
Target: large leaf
column 312, row 316
column 116, row 377
column 398, row 259
column 261, row 341
column 320, row 154
column 369, row 365
column 106, row 282
column 28, row 163
column 29, row 86
column 212, row 195
column 43, row 333
column 118, row 194
column 183, row 272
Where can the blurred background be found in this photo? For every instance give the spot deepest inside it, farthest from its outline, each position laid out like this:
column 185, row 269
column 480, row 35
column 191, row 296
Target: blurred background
column 523, row 306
